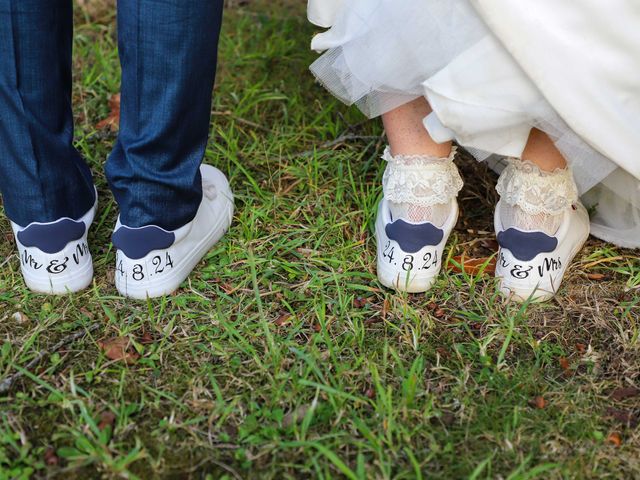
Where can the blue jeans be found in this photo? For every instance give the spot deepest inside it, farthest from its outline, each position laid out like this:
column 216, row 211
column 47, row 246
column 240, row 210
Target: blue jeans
column 168, row 53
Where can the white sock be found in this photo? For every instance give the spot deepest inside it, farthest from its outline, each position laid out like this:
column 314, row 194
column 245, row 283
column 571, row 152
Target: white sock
column 420, row 188
column 533, row 199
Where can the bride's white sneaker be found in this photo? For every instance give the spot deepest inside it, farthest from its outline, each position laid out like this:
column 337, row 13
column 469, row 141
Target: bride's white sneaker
column 152, row 262
column 54, row 256
column 541, row 226
column 415, row 218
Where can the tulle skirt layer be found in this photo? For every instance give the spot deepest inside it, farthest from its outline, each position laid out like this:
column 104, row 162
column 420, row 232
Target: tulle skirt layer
column 380, row 54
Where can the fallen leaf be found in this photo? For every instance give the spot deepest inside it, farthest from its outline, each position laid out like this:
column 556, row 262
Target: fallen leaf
column 385, row 308
column 146, row 338
column 359, row 302
column 472, row 266
column 596, row 276
column 626, row 417
column 615, row 439
column 50, row 457
column 107, row 419
column 539, row 402
column 113, row 119
column 283, row 319
column 623, row 393
column 439, row 313
column 581, row 347
column 119, row 349
column 443, row 352
column 564, row 364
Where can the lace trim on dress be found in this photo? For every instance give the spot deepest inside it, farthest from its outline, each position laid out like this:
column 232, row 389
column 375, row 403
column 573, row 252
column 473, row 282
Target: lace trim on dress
column 536, row 192
column 420, row 179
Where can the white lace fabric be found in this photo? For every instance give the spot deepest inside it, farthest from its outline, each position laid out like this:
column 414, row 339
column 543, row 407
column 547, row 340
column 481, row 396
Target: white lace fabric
column 536, row 192
column 420, row 180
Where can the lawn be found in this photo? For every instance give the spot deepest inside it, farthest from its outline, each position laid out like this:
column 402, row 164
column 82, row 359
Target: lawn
column 282, row 356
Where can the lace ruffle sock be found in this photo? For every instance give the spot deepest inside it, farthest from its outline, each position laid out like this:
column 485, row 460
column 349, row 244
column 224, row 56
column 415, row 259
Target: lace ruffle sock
column 415, row 219
column 541, row 226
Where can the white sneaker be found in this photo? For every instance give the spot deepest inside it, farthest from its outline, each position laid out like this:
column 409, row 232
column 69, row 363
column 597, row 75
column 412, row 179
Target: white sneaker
column 54, row 256
column 532, row 261
column 410, row 255
column 152, row 262
column 415, row 218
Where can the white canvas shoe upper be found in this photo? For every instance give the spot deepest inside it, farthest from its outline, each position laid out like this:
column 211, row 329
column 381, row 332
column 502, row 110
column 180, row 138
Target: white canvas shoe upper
column 415, row 218
column 540, row 240
column 151, row 261
column 54, row 256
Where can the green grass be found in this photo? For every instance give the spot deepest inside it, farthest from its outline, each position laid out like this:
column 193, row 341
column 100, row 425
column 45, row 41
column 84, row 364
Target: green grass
column 282, row 357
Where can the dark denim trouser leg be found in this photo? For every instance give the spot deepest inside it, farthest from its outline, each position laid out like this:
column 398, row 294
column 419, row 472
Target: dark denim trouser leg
column 168, row 52
column 42, row 177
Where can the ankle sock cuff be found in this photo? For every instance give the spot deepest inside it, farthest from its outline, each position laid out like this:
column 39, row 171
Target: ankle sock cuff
column 420, row 179
column 534, row 191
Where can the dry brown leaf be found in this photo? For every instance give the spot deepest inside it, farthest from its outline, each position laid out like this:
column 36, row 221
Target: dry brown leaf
column 283, row 319
column 107, row 419
column 615, row 439
column 564, row 364
column 119, row 349
column 596, row 276
column 385, row 308
column 146, row 338
column 113, row 120
column 623, row 393
column 50, row 457
column 539, row 402
column 473, row 266
column 626, row 417
column 360, row 302
column 581, row 347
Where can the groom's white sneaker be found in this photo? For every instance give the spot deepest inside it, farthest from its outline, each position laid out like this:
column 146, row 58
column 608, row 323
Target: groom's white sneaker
column 541, row 226
column 54, row 256
column 152, row 262
column 415, row 218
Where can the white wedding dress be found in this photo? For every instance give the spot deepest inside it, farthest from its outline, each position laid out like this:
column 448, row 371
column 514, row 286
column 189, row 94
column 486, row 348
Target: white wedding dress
column 492, row 70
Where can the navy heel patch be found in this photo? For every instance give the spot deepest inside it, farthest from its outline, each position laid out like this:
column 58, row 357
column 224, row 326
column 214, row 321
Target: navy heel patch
column 52, row 237
column 525, row 246
column 414, row 237
column 137, row 243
